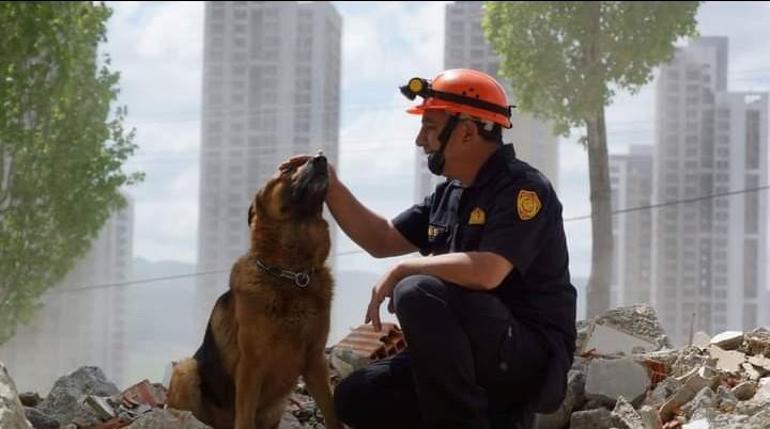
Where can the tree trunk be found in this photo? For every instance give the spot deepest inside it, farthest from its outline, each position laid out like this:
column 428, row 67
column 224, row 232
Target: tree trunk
column 601, row 217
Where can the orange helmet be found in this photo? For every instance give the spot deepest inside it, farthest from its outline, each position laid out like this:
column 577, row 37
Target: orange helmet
column 461, row 91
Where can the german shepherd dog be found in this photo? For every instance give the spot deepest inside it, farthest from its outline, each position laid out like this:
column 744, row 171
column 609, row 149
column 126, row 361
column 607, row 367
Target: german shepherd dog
column 271, row 326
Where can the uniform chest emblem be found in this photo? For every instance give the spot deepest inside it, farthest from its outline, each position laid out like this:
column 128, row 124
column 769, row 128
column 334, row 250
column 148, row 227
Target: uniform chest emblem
column 478, row 217
column 528, row 205
column 434, row 231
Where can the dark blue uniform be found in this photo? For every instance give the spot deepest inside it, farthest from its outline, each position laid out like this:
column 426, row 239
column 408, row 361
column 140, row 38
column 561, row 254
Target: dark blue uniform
column 475, row 357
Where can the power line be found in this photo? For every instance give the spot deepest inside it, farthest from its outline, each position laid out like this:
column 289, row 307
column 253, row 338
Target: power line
column 675, row 202
column 159, row 279
column 360, row 251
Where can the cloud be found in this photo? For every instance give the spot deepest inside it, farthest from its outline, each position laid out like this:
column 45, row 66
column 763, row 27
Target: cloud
column 384, row 42
column 157, row 47
column 746, row 25
column 383, row 45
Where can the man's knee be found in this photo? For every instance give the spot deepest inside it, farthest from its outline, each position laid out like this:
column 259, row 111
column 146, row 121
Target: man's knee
column 411, row 293
column 350, row 400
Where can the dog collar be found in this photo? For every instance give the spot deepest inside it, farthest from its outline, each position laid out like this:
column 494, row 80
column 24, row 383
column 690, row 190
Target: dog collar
column 301, row 278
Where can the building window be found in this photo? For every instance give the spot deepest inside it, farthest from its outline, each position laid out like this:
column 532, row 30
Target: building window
column 752, row 205
column 752, row 139
column 750, row 268
column 457, row 27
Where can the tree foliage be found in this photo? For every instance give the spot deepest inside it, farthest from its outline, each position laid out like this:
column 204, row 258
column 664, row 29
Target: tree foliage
column 566, row 60
column 61, row 150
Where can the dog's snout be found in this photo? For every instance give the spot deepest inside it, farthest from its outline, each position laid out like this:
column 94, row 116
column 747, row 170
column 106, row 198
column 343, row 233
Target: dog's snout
column 319, row 161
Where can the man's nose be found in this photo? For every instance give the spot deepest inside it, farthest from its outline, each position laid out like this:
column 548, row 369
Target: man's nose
column 420, row 140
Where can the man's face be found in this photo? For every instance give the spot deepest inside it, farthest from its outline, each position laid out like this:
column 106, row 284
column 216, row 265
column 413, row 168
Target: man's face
column 433, row 122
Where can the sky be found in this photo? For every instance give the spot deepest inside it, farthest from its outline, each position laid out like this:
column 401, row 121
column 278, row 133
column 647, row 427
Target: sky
column 157, row 47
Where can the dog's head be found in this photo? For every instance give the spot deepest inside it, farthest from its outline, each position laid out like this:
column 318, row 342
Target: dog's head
column 287, row 212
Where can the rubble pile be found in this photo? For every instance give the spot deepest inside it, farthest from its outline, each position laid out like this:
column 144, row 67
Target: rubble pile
column 85, row 399
column 625, row 375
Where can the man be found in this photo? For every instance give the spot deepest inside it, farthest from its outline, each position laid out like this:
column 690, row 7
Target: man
column 489, row 316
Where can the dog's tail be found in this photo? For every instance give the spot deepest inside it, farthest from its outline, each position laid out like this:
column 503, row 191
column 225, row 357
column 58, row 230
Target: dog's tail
column 184, row 390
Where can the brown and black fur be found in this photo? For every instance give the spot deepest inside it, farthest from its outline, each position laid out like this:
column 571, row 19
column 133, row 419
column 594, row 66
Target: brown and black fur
column 265, row 332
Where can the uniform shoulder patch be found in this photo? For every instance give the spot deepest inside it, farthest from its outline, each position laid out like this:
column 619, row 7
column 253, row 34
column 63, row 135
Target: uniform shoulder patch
column 478, row 217
column 528, row 204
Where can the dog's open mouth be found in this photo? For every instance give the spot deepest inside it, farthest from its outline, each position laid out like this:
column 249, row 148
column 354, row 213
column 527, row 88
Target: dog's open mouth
column 308, row 189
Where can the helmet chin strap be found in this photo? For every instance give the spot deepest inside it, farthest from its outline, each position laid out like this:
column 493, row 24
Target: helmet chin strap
column 436, row 160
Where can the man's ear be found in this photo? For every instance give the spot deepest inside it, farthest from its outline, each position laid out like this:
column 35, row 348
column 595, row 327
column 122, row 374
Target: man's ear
column 252, row 213
column 469, row 131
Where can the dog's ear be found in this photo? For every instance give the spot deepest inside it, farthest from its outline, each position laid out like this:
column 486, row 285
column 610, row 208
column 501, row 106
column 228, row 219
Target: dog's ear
column 251, row 213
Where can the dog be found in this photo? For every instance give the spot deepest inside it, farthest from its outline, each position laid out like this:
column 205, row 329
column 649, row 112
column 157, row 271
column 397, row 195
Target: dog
column 271, row 326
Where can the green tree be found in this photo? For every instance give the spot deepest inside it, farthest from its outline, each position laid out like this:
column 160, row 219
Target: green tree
column 566, row 60
column 61, row 151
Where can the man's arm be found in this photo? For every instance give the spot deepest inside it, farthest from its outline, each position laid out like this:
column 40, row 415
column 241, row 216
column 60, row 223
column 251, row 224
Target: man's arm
column 472, row 270
column 369, row 230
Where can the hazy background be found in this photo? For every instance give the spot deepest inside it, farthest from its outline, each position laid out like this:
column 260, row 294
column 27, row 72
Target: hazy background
column 158, row 49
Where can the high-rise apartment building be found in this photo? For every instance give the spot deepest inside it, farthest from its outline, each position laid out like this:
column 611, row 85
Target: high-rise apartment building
column 708, row 255
column 77, row 324
column 271, row 89
column 631, row 184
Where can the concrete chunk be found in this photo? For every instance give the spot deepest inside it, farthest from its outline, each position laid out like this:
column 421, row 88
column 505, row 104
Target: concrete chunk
column 697, row 424
column 762, row 362
column 728, row 361
column 725, row 399
column 603, row 375
column 750, row 371
column 606, row 340
column 11, row 411
column 663, row 390
column 62, row 402
column 625, row 416
column 728, row 340
column 760, row 420
column 759, row 402
column 168, row 419
column 763, row 390
column 693, row 383
column 40, row 420
column 744, row 391
column 650, row 418
column 639, row 320
column 703, row 400
column 600, row 418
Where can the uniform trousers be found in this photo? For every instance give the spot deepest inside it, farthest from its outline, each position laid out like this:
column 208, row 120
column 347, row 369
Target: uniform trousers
column 469, row 364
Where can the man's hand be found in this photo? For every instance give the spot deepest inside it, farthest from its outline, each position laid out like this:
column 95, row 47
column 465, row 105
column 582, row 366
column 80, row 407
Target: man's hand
column 383, row 289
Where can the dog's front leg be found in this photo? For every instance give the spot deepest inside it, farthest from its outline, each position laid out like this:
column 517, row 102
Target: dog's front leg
column 316, row 377
column 248, row 381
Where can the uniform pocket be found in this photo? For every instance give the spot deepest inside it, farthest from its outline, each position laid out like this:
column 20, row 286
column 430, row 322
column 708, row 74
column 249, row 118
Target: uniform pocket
column 438, row 238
